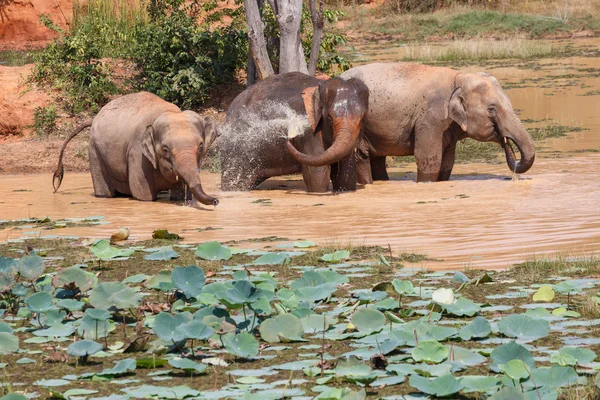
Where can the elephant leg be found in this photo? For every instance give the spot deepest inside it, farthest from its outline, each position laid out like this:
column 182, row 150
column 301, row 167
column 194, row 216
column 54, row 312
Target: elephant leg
column 428, row 153
column 378, row 169
column 363, row 166
column 316, row 178
column 447, row 163
column 102, row 187
column 343, row 174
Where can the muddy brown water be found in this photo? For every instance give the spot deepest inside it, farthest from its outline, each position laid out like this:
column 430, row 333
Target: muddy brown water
column 481, row 218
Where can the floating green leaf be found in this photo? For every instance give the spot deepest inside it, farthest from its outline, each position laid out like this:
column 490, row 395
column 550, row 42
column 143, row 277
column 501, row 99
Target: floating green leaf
column 241, row 345
column 40, row 302
column 354, row 370
column 462, row 307
column 168, row 327
column 285, row 327
column 515, row 369
column 511, row 351
column 478, row 328
column 164, row 254
column 523, row 327
column 31, row 267
column 104, row 251
column 188, row 365
column 8, row 343
column 580, row 355
column 114, row 295
column 368, row 320
column 213, row 251
column 75, row 276
column 430, row 351
column 403, row 287
column 544, row 293
column 197, row 330
column 272, row 259
column 304, row 244
column 336, row 256
column 84, row 348
column 442, row 386
column 190, row 280
column 243, row 292
column 479, row 384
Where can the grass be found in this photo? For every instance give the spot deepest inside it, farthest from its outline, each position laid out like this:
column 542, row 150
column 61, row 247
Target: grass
column 16, row 58
column 477, row 49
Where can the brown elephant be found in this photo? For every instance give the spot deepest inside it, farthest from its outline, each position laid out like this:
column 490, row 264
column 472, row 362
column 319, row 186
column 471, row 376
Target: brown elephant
column 323, row 119
column 424, row 111
column 140, row 145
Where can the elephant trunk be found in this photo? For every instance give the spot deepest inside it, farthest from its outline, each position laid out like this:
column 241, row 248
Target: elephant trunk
column 187, row 168
column 513, row 130
column 345, row 139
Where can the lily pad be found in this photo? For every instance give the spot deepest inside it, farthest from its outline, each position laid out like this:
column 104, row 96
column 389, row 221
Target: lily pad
column 523, row 327
column 84, row 348
column 368, row 320
column 31, row 267
column 188, row 365
column 430, row 351
column 190, row 280
column 285, row 327
column 544, row 293
column 104, row 251
column 336, row 256
column 164, row 254
column 462, row 307
column 40, row 302
column 442, row 386
column 272, row 259
column 241, row 345
column 213, row 251
column 478, row 328
column 9, row 343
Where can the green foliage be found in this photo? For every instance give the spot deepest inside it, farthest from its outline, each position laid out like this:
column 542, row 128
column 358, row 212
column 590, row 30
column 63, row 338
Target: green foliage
column 44, row 120
column 181, row 61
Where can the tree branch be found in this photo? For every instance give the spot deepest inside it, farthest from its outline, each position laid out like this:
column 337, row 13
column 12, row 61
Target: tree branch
column 318, row 25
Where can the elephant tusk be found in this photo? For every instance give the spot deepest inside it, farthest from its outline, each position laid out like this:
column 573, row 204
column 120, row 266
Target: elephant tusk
column 177, row 177
column 505, row 140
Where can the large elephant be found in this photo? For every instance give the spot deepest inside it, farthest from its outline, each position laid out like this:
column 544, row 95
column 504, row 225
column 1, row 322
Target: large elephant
column 140, row 145
column 323, row 118
column 424, row 111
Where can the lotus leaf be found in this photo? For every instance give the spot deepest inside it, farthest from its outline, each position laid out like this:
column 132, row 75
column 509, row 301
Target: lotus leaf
column 459, row 277
column 285, row 327
column 403, row 287
column 7, row 281
column 187, row 365
column 555, row 376
column 8, row 343
column 462, row 307
column 92, row 328
column 197, row 330
column 213, row 251
column 508, row 393
column 315, row 323
column 464, row 356
column 114, row 295
column 31, row 267
column 243, row 292
column 368, row 320
column 288, row 298
column 430, row 351
column 442, row 386
column 567, row 287
column 84, row 348
column 8, row 265
column 56, row 330
column 167, row 327
column 70, row 304
column 580, row 354
column 479, row 384
column 4, row 327
column 511, row 351
column 241, row 345
column 75, row 276
column 163, row 276
column 354, row 370
column 544, row 293
column 40, row 302
column 515, row 369
column 190, row 280
column 272, row 259
column 149, row 391
column 563, row 312
column 164, row 254
column 104, row 251
column 478, row 328
column 523, row 327
column 336, row 256
column 562, row 359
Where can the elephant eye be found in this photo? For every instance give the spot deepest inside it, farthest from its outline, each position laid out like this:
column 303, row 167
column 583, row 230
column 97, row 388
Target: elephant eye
column 491, row 110
column 166, row 152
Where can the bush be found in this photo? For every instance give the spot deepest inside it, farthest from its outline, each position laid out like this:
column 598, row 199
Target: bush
column 180, row 61
column 44, row 120
column 422, row 6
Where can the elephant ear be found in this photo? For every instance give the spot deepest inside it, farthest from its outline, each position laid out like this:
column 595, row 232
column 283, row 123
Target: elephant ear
column 312, row 104
column 456, row 109
column 148, row 145
column 206, row 127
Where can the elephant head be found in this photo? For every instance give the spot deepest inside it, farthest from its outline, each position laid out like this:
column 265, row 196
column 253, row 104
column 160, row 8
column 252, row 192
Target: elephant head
column 483, row 111
column 176, row 144
column 337, row 108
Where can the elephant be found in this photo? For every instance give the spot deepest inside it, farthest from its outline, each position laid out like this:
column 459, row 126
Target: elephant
column 321, row 118
column 141, row 144
column 424, row 111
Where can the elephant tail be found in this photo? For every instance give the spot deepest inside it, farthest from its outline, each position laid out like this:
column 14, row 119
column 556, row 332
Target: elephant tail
column 60, row 170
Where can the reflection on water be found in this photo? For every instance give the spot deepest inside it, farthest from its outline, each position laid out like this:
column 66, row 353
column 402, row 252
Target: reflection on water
column 481, row 218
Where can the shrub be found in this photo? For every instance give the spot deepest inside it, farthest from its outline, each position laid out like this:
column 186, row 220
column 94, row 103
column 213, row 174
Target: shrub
column 44, row 120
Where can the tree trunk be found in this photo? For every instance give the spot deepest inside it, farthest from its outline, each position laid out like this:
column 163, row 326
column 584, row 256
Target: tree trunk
column 291, row 56
column 318, row 24
column 256, row 40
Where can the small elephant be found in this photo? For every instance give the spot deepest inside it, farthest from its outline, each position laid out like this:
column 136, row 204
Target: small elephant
column 424, row 111
column 321, row 118
column 140, row 145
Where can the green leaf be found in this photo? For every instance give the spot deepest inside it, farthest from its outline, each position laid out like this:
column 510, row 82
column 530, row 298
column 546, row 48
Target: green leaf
column 168, row 327
column 336, row 256
column 581, row 355
column 368, row 320
column 31, row 267
column 187, row 365
column 479, row 384
column 285, row 327
column 190, row 280
column 515, row 369
column 523, row 327
column 304, row 244
column 462, row 307
column 430, row 351
column 478, row 328
column 272, row 259
column 442, row 386
column 56, row 330
column 164, row 254
column 555, row 376
column 76, row 276
column 104, row 251
column 403, row 287
column 213, row 251
column 563, row 312
column 243, row 292
column 114, row 296
column 241, row 345
column 84, row 348
column 8, row 343
column 197, row 330
column 354, row 370
column 40, row 302
column 511, row 351
column 544, row 293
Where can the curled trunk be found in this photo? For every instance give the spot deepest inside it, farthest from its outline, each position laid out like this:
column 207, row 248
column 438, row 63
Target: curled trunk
column 343, row 144
column 514, row 131
column 187, row 168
